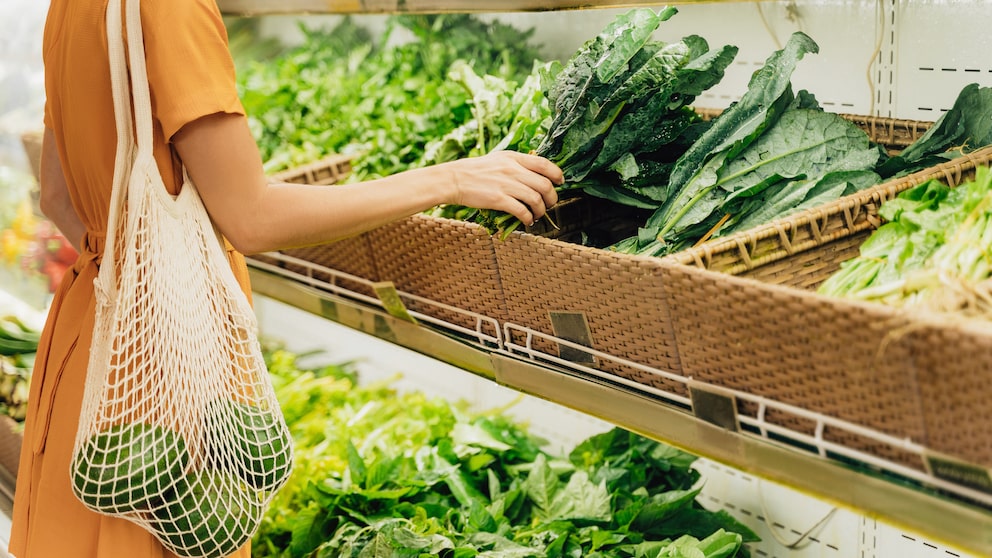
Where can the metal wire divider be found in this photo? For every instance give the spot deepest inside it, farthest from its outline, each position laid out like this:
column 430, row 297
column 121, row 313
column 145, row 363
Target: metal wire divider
column 501, row 340
column 487, row 330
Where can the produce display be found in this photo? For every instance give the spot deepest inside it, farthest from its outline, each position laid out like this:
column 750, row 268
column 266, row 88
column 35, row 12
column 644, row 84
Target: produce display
column 380, row 100
column 617, row 117
column 382, row 473
column 30, row 244
column 770, row 154
column 934, row 252
column 18, row 345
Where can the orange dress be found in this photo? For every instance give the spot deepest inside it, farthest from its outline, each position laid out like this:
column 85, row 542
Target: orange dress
column 191, row 75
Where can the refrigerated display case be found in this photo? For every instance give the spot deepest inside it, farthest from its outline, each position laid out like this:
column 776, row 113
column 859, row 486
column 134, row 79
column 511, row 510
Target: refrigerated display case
column 873, row 61
column 804, row 495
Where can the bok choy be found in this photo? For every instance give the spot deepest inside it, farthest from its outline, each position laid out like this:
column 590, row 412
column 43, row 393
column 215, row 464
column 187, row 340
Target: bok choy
column 934, row 252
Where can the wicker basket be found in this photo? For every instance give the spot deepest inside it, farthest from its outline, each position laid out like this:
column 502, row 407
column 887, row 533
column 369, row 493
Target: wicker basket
column 583, row 219
column 351, row 255
column 954, row 364
column 329, row 170
column 11, row 439
column 894, row 134
column 620, row 296
column 443, row 260
column 454, row 262
column 766, row 332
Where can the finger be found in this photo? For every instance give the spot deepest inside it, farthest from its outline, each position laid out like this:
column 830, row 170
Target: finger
column 540, row 165
column 535, row 202
column 520, row 210
column 543, row 187
column 548, row 192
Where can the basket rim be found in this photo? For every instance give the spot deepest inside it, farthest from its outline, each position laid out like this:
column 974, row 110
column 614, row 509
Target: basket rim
column 847, row 206
column 596, row 253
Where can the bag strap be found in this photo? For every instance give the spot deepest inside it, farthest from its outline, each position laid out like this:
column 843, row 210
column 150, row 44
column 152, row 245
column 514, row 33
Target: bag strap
column 132, row 115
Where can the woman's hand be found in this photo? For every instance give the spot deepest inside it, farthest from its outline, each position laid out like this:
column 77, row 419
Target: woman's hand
column 516, row 183
column 221, row 156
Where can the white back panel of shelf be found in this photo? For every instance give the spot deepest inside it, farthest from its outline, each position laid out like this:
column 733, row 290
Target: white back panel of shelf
column 845, row 33
column 898, row 59
column 775, row 512
column 939, row 47
column 924, row 51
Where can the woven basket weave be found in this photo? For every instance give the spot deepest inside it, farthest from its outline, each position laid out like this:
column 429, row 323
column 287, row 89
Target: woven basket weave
column 443, row 260
column 329, row 170
column 894, row 134
column 767, row 333
column 350, row 255
column 621, row 296
column 954, row 365
column 579, row 217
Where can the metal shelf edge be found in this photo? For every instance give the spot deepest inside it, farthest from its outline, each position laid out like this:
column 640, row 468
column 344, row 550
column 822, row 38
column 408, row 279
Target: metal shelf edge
column 269, row 7
column 373, row 322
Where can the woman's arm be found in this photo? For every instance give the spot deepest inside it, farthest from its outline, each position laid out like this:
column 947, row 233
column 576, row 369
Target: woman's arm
column 55, row 202
column 222, row 158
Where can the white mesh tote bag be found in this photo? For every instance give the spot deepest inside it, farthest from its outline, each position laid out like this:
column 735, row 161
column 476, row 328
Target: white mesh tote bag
column 180, row 431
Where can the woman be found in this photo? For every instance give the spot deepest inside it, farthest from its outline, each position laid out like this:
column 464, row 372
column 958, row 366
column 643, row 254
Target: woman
column 199, row 123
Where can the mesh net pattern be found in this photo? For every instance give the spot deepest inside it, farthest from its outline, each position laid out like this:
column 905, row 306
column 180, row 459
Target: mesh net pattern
column 180, row 431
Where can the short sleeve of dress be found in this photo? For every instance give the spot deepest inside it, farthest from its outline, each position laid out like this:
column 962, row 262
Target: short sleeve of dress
column 190, row 70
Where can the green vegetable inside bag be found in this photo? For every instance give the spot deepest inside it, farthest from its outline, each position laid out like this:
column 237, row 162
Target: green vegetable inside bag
column 207, row 514
column 128, row 467
column 260, row 446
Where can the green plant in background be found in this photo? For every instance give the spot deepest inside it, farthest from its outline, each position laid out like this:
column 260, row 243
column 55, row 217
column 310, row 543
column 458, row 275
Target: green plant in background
column 382, row 473
column 381, row 101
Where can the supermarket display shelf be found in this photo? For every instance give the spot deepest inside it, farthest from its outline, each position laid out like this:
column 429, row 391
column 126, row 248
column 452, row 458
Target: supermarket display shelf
column 267, row 7
column 906, row 497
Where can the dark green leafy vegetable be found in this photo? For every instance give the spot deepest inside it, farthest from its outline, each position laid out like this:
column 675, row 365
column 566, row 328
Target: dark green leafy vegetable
column 967, row 126
column 768, row 155
column 788, row 197
column 606, row 111
column 383, row 473
column 596, row 63
column 769, row 93
column 695, row 188
column 618, row 110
